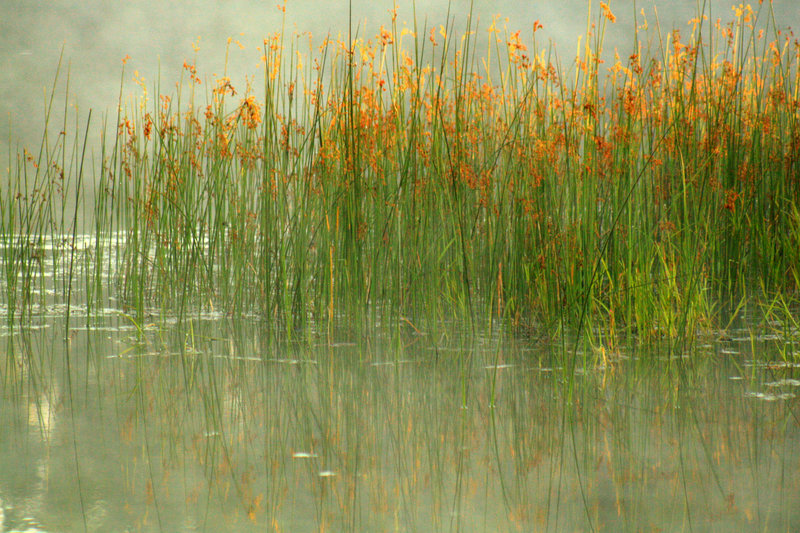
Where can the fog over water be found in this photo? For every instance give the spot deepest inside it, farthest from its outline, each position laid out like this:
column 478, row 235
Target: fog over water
column 159, row 36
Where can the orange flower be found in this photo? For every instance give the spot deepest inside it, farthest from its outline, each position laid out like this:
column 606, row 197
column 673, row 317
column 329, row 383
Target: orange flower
column 607, row 12
column 730, row 200
column 148, row 126
column 250, row 112
column 386, row 37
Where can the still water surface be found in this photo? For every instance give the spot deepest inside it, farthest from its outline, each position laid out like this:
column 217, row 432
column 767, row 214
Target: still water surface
column 211, row 426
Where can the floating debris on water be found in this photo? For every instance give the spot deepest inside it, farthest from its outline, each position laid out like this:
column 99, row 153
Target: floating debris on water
column 768, row 397
column 337, row 345
column 250, row 359
column 784, row 383
column 143, row 355
column 772, row 365
column 303, row 455
column 327, row 473
column 292, row 361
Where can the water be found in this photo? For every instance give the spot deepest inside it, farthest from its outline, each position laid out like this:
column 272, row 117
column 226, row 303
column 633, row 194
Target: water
column 214, row 425
column 207, row 423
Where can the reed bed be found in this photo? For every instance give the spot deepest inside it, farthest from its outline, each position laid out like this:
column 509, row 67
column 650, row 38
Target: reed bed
column 415, row 176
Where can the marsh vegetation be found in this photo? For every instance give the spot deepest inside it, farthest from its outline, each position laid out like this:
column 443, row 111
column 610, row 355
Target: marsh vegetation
column 415, row 279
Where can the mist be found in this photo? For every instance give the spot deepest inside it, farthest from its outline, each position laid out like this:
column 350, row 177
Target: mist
column 92, row 37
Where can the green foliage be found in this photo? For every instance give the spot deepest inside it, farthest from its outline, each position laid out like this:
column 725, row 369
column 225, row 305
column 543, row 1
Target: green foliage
column 418, row 178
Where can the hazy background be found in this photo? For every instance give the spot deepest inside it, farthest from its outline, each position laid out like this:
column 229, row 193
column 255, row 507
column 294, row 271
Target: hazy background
column 158, row 36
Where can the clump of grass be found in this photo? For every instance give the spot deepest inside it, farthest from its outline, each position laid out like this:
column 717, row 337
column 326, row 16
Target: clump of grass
column 415, row 176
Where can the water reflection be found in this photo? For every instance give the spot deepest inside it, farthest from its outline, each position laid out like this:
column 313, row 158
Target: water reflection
column 224, row 429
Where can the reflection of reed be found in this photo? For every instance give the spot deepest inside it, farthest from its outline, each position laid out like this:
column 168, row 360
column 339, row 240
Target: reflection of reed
column 41, row 417
column 254, row 432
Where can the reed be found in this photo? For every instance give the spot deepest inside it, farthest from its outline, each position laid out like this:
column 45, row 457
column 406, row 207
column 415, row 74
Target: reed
column 414, row 176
